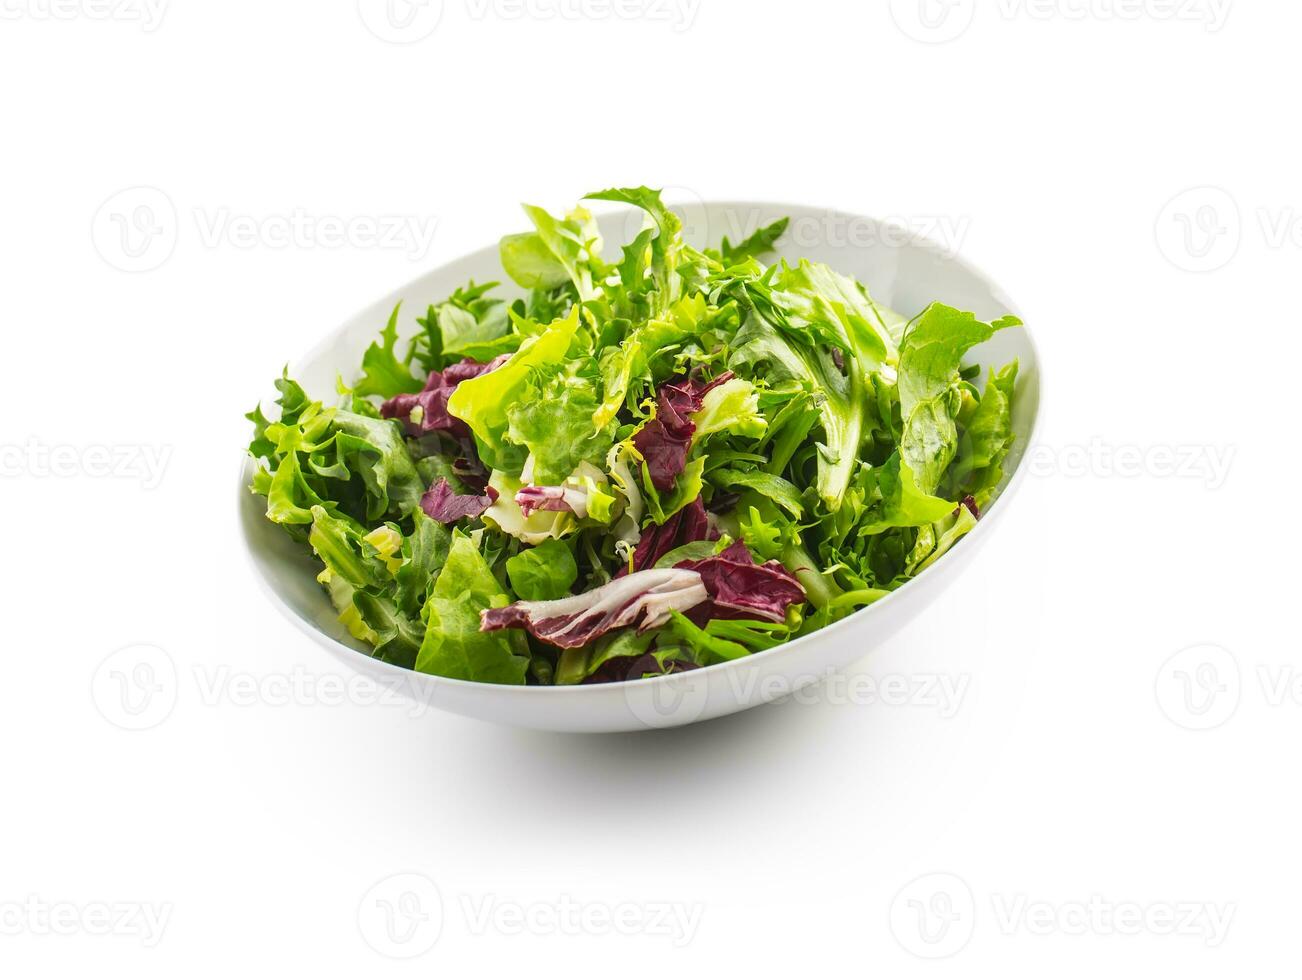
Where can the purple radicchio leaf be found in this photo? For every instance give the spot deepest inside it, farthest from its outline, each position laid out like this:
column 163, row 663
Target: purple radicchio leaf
column 688, row 525
column 741, row 589
column 572, row 500
column 635, row 668
column 644, row 600
column 433, row 400
column 469, row 470
column 664, row 441
column 446, row 506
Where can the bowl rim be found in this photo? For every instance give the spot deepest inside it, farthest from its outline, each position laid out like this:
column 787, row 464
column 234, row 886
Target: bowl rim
column 755, row 660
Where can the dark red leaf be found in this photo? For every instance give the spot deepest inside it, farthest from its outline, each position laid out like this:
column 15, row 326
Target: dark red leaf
column 741, row 589
column 688, row 525
column 635, row 668
column 433, row 400
column 665, row 440
column 447, row 506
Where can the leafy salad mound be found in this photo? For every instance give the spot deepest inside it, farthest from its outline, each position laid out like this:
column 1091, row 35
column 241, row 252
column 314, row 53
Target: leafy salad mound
column 643, row 466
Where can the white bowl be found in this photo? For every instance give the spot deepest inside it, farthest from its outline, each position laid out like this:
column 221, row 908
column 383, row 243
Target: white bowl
column 899, row 270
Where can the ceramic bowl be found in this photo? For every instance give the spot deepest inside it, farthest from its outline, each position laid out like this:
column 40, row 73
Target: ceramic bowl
column 899, row 269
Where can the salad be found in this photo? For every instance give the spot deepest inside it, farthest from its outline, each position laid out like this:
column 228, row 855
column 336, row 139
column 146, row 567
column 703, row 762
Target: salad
column 642, row 466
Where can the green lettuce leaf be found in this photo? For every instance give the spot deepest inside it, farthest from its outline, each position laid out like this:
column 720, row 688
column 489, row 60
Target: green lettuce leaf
column 554, row 422
column 382, row 373
column 453, row 645
column 483, row 402
column 547, row 571
column 928, row 387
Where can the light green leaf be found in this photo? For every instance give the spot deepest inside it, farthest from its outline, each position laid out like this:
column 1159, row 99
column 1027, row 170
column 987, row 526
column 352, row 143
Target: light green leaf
column 545, row 572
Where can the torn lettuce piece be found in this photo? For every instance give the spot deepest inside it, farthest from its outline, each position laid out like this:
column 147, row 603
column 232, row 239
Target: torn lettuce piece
column 928, row 387
column 732, row 406
column 453, row 645
column 554, row 422
column 547, row 571
column 483, row 403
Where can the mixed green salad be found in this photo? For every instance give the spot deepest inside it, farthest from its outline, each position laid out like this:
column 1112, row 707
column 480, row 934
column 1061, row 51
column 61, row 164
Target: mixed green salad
column 643, row 466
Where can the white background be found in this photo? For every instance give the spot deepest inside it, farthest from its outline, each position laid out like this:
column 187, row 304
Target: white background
column 1073, row 799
